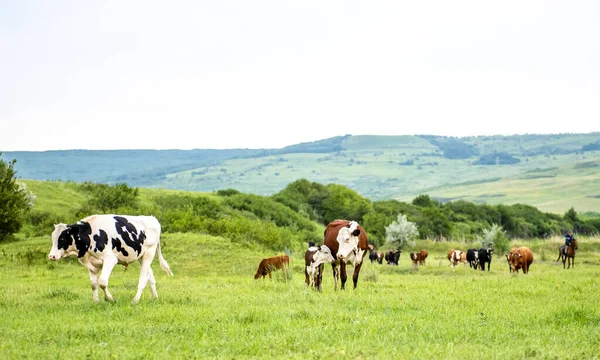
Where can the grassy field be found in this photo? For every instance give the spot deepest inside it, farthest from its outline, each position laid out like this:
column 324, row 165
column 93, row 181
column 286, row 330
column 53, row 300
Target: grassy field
column 213, row 307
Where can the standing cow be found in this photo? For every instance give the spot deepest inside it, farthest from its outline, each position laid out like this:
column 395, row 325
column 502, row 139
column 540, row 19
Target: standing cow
column 485, row 256
column 348, row 242
column 473, row 258
column 103, row 241
column 418, row 257
column 521, row 258
column 454, row 256
column 314, row 258
column 393, row 257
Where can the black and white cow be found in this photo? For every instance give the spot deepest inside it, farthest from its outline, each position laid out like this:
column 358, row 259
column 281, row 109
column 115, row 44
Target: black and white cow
column 473, row 258
column 393, row 257
column 103, row 241
column 485, row 256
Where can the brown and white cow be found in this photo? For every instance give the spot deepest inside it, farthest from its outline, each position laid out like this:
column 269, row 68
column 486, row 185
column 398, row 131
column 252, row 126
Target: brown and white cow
column 418, row 257
column 455, row 256
column 267, row 265
column 521, row 259
column 314, row 260
column 103, row 241
column 348, row 242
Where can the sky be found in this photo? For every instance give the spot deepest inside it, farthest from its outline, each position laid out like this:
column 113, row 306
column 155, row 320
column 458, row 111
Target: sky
column 266, row 74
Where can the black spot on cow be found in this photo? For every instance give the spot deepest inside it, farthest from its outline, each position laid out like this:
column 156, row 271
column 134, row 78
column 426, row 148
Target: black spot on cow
column 116, row 244
column 81, row 232
column 129, row 234
column 64, row 240
column 101, row 240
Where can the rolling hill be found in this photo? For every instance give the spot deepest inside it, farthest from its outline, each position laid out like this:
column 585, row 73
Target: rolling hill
column 552, row 172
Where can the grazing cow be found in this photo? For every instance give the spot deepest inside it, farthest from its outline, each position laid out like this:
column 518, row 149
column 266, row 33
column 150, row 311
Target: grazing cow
column 376, row 256
column 454, row 256
column 485, row 256
column 267, row 265
column 393, row 257
column 508, row 258
column 473, row 258
column 521, row 258
column 418, row 257
column 103, row 241
column 314, row 258
column 348, row 242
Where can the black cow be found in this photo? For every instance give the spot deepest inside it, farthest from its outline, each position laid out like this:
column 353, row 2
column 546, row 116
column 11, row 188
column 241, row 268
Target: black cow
column 485, row 256
column 393, row 257
column 473, row 258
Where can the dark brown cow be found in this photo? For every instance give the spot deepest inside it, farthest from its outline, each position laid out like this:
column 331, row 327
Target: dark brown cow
column 348, row 242
column 267, row 265
column 521, row 258
column 419, row 257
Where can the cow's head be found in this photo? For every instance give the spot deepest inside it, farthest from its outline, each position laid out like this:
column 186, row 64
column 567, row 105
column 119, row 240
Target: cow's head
column 323, row 255
column 63, row 243
column 515, row 261
column 348, row 240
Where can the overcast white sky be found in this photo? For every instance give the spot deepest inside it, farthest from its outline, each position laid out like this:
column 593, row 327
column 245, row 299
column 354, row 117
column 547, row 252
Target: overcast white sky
column 263, row 74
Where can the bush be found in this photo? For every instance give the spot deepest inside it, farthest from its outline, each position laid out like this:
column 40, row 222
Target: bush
column 495, row 238
column 401, row 233
column 108, row 198
column 15, row 200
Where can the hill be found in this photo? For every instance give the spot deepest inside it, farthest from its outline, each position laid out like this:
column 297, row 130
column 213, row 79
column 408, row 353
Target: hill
column 490, row 169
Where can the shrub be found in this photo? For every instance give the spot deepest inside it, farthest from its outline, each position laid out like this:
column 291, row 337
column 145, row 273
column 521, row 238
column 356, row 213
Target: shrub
column 494, row 237
column 15, row 200
column 401, row 233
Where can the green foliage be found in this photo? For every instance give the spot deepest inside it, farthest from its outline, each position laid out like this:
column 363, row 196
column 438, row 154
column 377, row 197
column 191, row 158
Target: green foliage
column 304, row 197
column 227, row 192
column 344, row 203
column 109, row 199
column 500, row 158
column 595, row 146
column 452, row 147
column 401, row 233
column 494, row 237
column 15, row 200
column 424, row 201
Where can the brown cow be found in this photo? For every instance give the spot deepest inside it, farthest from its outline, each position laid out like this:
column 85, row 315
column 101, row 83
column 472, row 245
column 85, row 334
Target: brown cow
column 508, row 258
column 348, row 242
column 419, row 257
column 267, row 265
column 454, row 256
column 521, row 258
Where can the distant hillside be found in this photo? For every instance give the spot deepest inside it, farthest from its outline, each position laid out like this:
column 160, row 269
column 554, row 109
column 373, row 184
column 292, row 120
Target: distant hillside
column 378, row 167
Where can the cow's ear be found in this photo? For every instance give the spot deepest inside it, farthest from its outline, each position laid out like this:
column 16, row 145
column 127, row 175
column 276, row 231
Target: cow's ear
column 356, row 232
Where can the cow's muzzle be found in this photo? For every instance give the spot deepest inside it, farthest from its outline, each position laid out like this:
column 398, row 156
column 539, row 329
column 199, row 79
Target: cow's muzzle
column 52, row 257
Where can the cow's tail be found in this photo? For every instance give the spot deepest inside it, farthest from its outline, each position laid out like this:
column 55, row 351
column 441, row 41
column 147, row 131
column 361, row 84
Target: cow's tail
column 163, row 263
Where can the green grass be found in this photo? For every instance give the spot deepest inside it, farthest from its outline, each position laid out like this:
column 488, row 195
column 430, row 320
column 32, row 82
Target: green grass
column 213, row 307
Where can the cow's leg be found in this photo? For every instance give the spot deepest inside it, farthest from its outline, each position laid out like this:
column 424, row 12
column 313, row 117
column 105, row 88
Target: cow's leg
column 343, row 274
column 152, row 281
column 107, row 268
column 145, row 262
column 94, row 282
column 355, row 275
column 336, row 275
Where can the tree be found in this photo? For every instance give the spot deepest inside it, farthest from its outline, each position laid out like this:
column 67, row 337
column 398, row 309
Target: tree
column 15, row 200
column 401, row 232
column 495, row 238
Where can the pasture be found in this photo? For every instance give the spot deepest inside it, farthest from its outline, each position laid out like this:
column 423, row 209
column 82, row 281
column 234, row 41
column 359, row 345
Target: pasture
column 213, row 307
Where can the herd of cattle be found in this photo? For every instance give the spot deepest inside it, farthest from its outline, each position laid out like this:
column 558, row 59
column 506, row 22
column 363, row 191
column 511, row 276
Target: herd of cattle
column 103, row 241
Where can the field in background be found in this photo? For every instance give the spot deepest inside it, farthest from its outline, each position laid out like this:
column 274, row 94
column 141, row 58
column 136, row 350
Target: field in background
column 553, row 174
column 212, row 307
